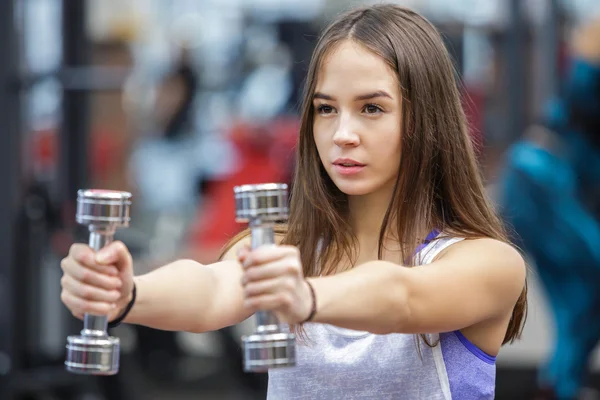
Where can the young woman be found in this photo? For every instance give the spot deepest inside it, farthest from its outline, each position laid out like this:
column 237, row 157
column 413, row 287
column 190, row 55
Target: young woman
column 389, row 227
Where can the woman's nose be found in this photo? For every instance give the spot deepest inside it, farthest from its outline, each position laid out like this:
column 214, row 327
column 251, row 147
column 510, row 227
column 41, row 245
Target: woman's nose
column 345, row 135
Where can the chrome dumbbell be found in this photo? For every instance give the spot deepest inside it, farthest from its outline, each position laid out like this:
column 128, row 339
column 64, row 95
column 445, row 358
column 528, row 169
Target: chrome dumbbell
column 94, row 352
column 270, row 346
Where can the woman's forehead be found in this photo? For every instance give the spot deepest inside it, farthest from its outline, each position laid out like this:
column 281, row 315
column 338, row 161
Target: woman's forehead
column 350, row 68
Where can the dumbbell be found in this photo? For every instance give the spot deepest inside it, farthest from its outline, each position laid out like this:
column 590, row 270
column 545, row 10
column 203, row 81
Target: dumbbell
column 94, row 352
column 270, row 346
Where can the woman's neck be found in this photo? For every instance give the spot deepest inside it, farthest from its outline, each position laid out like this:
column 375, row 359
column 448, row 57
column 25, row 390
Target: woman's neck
column 366, row 214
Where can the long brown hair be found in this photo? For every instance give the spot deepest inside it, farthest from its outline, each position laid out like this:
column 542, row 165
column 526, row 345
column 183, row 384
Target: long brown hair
column 439, row 186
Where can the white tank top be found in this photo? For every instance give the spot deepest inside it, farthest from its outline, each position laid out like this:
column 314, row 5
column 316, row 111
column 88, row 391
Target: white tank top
column 338, row 363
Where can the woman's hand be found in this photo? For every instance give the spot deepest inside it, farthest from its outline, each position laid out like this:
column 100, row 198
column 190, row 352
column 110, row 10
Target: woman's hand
column 273, row 281
column 97, row 283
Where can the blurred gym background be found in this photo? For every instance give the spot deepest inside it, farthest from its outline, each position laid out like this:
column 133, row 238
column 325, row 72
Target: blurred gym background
column 177, row 102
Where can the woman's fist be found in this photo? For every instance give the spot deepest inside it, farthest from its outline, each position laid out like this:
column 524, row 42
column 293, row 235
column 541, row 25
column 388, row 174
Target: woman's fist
column 97, row 283
column 273, row 280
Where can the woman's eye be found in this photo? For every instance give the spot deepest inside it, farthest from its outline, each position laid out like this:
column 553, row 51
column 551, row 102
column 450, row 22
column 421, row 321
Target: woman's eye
column 372, row 109
column 324, row 109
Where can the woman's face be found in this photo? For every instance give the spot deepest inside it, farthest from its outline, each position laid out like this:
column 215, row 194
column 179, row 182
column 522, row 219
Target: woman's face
column 357, row 120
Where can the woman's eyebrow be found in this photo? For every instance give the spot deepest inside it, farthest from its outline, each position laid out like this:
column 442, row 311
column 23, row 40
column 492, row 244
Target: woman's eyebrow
column 366, row 96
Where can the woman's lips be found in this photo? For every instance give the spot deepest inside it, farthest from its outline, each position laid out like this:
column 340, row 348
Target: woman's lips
column 348, row 169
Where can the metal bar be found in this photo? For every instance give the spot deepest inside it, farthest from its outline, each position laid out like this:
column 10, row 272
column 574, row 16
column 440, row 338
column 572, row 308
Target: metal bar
column 74, row 141
column 10, row 150
column 75, row 122
column 80, row 78
column 94, row 78
column 550, row 43
column 515, row 71
column 73, row 136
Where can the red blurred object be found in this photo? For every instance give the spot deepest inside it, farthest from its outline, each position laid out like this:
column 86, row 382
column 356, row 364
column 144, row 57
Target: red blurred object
column 265, row 155
column 474, row 103
column 104, row 148
column 44, row 149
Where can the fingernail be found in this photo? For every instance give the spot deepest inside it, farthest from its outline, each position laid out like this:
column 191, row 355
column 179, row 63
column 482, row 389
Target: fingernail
column 102, row 256
column 244, row 280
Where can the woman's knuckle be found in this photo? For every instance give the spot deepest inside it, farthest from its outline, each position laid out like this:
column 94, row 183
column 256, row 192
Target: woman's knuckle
column 119, row 246
column 285, row 300
column 104, row 309
column 85, row 292
column 251, row 275
column 291, row 250
column 86, row 275
column 289, row 284
column 291, row 268
column 85, row 306
column 123, row 250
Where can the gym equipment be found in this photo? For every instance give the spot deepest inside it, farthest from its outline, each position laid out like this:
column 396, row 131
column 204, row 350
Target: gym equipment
column 94, row 352
column 261, row 206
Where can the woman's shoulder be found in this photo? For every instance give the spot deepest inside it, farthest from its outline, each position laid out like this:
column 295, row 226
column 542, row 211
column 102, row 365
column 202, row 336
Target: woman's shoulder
column 485, row 251
column 464, row 244
column 486, row 262
column 487, row 244
column 454, row 244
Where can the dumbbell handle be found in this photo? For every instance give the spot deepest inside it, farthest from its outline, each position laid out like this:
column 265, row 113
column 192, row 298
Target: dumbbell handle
column 261, row 235
column 96, row 325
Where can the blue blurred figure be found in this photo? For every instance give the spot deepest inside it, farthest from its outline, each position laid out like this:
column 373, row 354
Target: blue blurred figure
column 550, row 197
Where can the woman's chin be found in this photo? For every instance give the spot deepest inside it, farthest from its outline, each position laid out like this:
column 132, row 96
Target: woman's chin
column 354, row 188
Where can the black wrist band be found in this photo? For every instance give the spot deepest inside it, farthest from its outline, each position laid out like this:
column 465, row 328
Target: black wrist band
column 120, row 319
column 313, row 310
